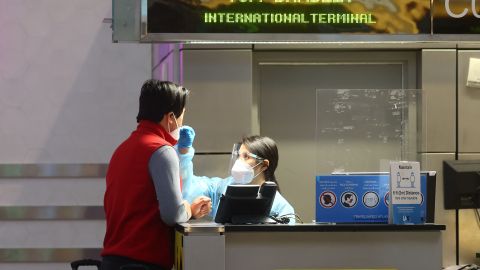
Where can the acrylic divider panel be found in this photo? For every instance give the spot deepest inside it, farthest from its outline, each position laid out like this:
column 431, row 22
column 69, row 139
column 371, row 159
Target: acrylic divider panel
column 358, row 133
column 362, row 130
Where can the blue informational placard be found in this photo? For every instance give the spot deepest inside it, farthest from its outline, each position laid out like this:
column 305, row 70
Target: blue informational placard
column 356, row 198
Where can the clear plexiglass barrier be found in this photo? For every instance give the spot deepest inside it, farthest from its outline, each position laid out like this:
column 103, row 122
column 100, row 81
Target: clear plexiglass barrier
column 362, row 130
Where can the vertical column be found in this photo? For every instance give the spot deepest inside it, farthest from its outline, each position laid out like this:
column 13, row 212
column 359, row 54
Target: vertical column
column 438, row 77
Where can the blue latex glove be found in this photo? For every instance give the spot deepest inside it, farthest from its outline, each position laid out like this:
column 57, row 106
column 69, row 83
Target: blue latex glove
column 187, row 135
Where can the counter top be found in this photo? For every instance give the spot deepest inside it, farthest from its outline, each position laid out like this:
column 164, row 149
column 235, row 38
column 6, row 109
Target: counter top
column 211, row 227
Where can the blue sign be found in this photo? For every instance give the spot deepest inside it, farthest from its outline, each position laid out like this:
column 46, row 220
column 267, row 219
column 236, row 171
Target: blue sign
column 360, row 198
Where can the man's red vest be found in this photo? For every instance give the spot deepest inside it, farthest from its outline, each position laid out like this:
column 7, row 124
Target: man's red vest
column 134, row 227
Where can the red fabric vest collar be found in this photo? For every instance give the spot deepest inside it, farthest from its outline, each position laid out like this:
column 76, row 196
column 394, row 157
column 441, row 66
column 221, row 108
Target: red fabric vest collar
column 149, row 126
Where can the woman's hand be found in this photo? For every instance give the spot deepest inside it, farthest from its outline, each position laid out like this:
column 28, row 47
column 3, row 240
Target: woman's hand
column 187, row 135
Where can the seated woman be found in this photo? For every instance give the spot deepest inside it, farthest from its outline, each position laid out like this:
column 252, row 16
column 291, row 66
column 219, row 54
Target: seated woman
column 256, row 163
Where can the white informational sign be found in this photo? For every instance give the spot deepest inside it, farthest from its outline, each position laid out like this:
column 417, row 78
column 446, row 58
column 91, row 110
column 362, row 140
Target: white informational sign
column 473, row 79
column 405, row 193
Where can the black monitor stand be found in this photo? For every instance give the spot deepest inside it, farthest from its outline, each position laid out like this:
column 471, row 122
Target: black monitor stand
column 252, row 219
column 247, row 204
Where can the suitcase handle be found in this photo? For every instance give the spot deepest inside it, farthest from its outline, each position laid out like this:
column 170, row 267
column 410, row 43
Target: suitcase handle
column 85, row 262
column 133, row 267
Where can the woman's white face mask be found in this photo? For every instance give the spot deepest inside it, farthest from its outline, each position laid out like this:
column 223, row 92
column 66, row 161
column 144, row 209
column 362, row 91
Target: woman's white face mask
column 242, row 172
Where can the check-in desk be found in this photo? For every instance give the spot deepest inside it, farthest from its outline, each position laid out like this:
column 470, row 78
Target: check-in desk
column 203, row 245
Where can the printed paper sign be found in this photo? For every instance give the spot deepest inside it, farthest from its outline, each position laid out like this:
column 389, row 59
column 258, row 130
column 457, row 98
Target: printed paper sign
column 406, row 196
column 473, row 79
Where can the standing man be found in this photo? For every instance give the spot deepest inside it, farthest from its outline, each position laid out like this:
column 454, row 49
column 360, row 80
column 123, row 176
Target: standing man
column 143, row 199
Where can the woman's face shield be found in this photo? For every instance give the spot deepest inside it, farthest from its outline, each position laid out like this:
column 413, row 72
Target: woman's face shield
column 241, row 152
column 234, row 156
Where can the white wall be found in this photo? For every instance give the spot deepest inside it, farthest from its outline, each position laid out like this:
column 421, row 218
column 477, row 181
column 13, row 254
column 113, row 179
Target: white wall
column 67, row 95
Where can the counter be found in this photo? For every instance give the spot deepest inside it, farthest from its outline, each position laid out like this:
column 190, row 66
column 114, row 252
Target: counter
column 207, row 245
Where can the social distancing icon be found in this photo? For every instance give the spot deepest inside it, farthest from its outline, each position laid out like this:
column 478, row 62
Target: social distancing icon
column 327, row 199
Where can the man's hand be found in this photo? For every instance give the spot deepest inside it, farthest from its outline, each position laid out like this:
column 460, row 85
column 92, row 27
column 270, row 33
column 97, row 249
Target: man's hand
column 201, row 206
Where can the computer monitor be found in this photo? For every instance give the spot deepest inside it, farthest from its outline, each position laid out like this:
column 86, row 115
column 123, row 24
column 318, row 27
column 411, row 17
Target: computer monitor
column 461, row 184
column 246, row 204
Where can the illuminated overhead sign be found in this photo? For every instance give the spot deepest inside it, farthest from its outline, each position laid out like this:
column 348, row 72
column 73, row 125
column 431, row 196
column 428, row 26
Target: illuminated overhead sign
column 296, row 20
column 289, row 16
column 456, row 17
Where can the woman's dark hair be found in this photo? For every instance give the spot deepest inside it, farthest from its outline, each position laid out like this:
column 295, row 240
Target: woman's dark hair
column 160, row 97
column 265, row 148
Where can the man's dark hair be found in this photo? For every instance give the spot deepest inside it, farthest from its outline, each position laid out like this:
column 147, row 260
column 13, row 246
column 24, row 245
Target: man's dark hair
column 160, row 97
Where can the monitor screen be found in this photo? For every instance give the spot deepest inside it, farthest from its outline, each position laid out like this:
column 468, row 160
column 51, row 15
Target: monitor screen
column 461, row 182
column 243, row 191
column 246, row 204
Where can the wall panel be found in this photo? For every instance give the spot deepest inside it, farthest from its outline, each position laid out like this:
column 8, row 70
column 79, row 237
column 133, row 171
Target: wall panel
column 438, row 76
column 220, row 102
column 468, row 106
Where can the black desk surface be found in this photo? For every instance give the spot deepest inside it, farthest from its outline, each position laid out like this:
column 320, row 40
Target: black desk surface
column 313, row 227
column 306, row 227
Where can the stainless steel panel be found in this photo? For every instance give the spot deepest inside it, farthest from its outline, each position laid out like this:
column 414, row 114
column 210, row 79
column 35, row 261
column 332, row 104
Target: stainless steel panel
column 352, row 45
column 52, row 170
column 218, row 46
column 333, row 250
column 306, row 38
column 126, row 20
column 468, row 106
column 469, row 45
column 42, row 255
column 438, row 78
column 220, row 103
column 51, row 213
column 196, row 256
column 434, row 162
column 468, row 156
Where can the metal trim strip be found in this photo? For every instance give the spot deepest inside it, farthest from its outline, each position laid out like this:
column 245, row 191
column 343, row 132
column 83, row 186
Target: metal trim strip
column 51, row 213
column 94, row 170
column 47, row 255
column 230, row 38
column 208, row 228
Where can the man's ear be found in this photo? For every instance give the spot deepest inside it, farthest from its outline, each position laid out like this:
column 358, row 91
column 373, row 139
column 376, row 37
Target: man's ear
column 171, row 117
